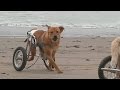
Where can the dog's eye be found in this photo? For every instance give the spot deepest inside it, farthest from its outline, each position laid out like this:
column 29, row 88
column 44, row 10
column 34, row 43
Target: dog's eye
column 51, row 32
column 56, row 31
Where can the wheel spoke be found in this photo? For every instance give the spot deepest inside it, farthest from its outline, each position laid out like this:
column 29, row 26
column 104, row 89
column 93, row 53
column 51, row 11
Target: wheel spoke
column 109, row 74
column 18, row 58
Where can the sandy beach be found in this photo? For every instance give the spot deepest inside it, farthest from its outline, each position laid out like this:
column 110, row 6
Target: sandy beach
column 77, row 57
column 86, row 41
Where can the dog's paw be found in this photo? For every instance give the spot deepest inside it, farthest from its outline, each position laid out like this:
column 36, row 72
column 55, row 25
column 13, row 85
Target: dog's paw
column 49, row 68
column 60, row 72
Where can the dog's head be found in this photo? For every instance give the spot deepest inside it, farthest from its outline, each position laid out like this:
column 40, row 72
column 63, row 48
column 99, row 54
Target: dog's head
column 54, row 33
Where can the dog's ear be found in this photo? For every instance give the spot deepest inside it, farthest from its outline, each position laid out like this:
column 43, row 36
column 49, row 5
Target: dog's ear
column 61, row 29
column 47, row 26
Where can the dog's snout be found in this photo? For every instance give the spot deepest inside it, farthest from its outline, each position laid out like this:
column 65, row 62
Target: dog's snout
column 55, row 38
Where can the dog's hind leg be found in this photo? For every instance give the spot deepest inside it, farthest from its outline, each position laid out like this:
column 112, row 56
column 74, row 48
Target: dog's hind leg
column 114, row 59
column 33, row 53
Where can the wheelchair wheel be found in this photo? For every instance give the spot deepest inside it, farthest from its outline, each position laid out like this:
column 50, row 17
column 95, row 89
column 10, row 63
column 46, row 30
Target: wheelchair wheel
column 105, row 63
column 19, row 58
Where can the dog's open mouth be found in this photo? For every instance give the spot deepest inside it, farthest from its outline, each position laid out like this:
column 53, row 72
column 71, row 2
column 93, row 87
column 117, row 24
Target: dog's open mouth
column 55, row 38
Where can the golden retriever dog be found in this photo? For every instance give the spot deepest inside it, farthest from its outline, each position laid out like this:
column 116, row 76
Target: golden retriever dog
column 48, row 43
column 115, row 53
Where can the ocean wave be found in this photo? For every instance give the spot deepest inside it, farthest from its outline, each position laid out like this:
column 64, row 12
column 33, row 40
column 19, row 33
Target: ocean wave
column 62, row 24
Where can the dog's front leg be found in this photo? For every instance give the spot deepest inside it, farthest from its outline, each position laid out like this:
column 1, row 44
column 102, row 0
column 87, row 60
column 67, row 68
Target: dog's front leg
column 49, row 57
column 118, row 67
column 53, row 56
column 54, row 64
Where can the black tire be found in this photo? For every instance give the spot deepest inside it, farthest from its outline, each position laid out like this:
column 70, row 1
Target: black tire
column 24, row 58
column 102, row 65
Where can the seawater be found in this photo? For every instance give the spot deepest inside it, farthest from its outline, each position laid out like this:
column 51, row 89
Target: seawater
column 76, row 23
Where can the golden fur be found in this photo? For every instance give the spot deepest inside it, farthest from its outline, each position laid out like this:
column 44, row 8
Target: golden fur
column 115, row 52
column 50, row 40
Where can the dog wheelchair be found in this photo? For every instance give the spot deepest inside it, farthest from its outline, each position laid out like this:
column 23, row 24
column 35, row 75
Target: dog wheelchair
column 105, row 71
column 21, row 54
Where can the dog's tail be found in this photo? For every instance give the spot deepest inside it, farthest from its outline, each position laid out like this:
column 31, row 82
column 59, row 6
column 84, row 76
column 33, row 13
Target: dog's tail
column 26, row 40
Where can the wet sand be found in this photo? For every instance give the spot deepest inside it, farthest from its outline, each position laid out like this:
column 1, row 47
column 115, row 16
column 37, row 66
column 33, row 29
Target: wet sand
column 77, row 57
